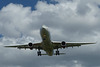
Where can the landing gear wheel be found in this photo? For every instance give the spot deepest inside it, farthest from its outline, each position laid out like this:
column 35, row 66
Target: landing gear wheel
column 57, row 52
column 39, row 53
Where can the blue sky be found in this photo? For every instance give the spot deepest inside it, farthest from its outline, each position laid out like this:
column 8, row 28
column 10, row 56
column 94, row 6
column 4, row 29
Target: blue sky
column 67, row 20
column 25, row 3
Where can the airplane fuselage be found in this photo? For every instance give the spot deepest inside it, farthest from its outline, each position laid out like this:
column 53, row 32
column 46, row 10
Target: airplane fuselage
column 46, row 41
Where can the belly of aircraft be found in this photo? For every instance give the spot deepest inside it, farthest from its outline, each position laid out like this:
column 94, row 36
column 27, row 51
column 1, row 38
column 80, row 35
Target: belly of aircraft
column 48, row 48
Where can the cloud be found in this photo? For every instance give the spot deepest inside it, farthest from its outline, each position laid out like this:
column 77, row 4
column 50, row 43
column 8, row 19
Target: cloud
column 74, row 20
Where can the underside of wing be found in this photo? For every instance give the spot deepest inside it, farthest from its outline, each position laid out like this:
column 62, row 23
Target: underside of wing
column 69, row 44
column 27, row 46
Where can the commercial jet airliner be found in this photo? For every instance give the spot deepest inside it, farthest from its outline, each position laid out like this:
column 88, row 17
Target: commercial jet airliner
column 47, row 45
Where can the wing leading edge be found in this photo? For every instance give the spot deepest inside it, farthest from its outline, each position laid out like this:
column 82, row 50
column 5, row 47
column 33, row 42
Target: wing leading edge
column 55, row 45
column 27, row 46
column 70, row 44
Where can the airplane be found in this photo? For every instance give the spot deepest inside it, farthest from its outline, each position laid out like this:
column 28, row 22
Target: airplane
column 49, row 46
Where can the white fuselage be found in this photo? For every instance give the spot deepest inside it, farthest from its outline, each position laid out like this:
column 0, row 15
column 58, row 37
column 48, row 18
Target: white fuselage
column 46, row 41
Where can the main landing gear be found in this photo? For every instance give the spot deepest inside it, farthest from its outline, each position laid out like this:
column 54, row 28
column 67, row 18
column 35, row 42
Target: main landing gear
column 57, row 52
column 39, row 53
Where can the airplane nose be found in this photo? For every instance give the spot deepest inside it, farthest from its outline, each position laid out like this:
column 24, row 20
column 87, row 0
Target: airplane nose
column 44, row 27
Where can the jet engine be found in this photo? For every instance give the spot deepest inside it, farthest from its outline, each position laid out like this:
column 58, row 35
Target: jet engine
column 63, row 44
column 30, row 45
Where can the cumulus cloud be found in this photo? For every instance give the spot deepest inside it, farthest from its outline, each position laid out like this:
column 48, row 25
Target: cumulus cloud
column 69, row 20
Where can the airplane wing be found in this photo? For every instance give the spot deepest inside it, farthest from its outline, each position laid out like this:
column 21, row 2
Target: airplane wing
column 69, row 44
column 27, row 46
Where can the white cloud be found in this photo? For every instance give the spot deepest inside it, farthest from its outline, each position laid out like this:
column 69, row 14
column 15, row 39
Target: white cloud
column 75, row 20
column 15, row 19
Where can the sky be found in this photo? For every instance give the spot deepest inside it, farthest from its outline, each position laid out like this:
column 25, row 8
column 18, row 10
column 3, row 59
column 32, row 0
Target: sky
column 67, row 20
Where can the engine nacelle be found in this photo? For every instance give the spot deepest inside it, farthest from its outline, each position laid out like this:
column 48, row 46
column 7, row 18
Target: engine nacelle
column 30, row 44
column 63, row 44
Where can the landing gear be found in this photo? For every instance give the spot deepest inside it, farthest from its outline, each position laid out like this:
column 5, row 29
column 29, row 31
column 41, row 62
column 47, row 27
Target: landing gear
column 39, row 53
column 57, row 52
